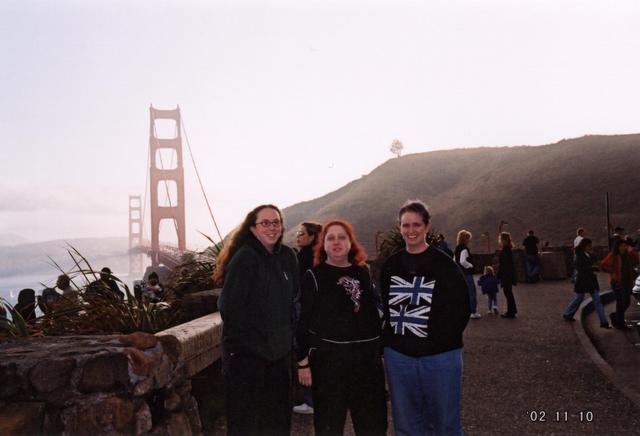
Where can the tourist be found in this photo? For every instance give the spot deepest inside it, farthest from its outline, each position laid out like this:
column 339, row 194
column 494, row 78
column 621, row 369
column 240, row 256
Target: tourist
column 339, row 337
column 580, row 235
column 489, row 284
column 462, row 256
column 106, row 286
column 306, row 239
column 441, row 243
column 260, row 280
column 26, row 305
column 63, row 284
column 49, row 300
column 619, row 263
column 426, row 309
column 507, row 274
column 532, row 257
column 586, row 282
column 153, row 291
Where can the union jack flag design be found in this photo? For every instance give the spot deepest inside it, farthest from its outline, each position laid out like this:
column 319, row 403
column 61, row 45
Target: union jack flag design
column 409, row 305
column 416, row 292
column 415, row 320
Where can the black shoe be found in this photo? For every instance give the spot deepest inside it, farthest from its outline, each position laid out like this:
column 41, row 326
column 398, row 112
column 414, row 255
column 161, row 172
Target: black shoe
column 605, row 326
column 508, row 315
column 568, row 318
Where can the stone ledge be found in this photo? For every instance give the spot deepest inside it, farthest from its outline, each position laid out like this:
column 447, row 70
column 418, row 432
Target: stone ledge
column 196, row 343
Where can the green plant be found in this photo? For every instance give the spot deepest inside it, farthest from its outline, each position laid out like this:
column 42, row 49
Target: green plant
column 16, row 327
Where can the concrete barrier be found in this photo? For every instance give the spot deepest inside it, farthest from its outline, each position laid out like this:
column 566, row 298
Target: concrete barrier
column 197, row 343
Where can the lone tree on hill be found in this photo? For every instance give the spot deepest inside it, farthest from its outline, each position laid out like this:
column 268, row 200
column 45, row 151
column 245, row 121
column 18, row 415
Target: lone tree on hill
column 396, row 147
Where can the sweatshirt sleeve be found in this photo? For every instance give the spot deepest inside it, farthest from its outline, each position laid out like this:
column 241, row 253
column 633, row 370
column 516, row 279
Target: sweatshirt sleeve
column 235, row 293
column 464, row 259
column 459, row 294
column 308, row 293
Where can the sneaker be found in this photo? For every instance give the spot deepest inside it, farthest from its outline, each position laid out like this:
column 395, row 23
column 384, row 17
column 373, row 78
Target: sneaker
column 303, row 409
column 489, row 312
column 475, row 315
column 605, row 326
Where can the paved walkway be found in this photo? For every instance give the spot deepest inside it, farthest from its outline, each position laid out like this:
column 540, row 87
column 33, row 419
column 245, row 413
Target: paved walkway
column 533, row 375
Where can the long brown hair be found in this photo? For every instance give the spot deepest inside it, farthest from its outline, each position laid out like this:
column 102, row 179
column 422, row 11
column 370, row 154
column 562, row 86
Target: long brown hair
column 357, row 255
column 237, row 240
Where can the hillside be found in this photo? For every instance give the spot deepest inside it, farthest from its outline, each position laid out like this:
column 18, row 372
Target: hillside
column 551, row 189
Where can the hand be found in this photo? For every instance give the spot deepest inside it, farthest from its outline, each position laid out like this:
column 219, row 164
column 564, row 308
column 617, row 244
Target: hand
column 304, row 376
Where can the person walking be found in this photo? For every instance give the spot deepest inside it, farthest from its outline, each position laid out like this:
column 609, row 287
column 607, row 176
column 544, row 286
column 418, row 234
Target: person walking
column 306, row 239
column 619, row 263
column 339, row 337
column 260, row 280
column 426, row 309
column 586, row 282
column 462, row 256
column 507, row 274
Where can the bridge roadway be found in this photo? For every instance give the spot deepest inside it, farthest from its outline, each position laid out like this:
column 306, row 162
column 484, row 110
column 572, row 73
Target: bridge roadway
column 516, row 371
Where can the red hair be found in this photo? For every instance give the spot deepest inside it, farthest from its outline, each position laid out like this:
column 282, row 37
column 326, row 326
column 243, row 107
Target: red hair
column 357, row 255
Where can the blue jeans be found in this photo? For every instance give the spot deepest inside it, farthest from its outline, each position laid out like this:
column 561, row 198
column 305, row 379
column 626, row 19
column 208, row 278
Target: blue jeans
column 425, row 392
column 533, row 266
column 471, row 286
column 572, row 308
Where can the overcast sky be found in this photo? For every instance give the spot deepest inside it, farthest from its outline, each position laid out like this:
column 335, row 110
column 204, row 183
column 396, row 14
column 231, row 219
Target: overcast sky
column 284, row 101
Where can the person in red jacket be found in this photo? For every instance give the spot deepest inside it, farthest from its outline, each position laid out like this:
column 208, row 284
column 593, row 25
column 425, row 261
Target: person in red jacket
column 619, row 263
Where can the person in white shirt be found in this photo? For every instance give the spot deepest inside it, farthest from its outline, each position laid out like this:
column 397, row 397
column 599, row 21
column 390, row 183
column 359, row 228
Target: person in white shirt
column 579, row 237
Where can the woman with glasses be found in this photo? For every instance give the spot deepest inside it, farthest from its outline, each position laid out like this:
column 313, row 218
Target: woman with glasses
column 306, row 239
column 339, row 337
column 260, row 280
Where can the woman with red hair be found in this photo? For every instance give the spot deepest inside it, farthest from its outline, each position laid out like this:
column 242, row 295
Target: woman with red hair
column 339, row 337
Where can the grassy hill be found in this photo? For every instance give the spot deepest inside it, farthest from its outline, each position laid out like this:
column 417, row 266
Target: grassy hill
column 552, row 189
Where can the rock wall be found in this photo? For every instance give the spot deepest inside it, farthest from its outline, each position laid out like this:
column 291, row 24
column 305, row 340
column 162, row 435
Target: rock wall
column 94, row 385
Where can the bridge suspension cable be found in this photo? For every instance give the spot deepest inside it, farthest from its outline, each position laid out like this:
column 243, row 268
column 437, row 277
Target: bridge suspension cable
column 206, row 199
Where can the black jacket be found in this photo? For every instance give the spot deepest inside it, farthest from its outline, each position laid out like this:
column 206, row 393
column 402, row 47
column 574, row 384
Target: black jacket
column 506, row 268
column 257, row 300
column 426, row 303
column 586, row 280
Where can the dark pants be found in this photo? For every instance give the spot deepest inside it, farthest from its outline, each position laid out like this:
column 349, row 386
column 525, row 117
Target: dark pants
column 623, row 300
column 257, row 394
column 511, row 301
column 348, row 377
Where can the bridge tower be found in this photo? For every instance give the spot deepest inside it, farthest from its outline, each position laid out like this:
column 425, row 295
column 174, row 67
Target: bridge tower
column 135, row 234
column 159, row 175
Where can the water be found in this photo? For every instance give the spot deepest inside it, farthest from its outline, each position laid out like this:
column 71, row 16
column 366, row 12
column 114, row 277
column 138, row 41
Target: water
column 10, row 286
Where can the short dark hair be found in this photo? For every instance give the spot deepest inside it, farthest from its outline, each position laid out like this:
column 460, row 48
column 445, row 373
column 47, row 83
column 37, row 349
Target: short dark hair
column 415, row 206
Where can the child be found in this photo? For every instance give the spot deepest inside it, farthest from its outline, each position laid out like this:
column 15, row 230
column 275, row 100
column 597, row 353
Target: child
column 489, row 285
column 153, row 291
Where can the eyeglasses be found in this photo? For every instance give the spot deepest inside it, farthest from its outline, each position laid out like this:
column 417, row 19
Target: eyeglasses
column 267, row 223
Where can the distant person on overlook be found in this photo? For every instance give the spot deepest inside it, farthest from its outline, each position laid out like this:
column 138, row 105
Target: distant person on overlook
column 507, row 274
column 26, row 305
column 306, row 238
column 153, row 291
column 586, row 282
column 462, row 256
column 532, row 257
column 63, row 284
column 580, row 235
column 442, row 245
column 105, row 286
column 619, row 263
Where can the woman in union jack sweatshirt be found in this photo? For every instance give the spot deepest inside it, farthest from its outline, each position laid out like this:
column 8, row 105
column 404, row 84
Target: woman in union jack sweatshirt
column 426, row 307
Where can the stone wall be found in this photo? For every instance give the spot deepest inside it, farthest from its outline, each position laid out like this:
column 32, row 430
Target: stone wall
column 94, row 385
